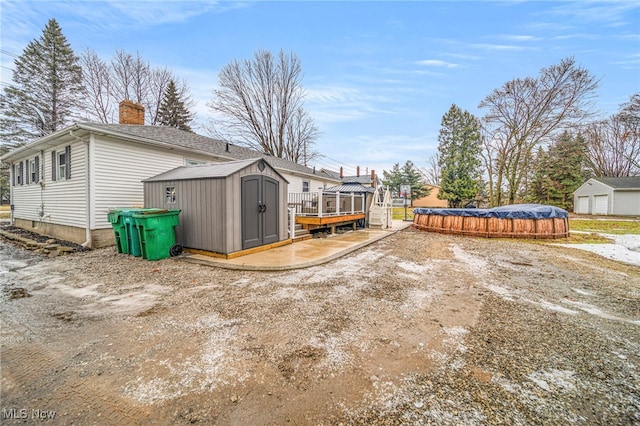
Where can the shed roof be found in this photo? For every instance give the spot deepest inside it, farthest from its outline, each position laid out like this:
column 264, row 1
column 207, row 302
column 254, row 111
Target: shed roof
column 206, row 171
column 351, row 187
column 624, row 183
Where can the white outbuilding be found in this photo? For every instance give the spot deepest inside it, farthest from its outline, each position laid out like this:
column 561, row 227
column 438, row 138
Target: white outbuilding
column 608, row 196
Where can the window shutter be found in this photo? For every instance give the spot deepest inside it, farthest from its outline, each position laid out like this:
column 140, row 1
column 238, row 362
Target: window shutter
column 53, row 165
column 67, row 159
column 37, row 161
column 21, row 173
column 13, row 175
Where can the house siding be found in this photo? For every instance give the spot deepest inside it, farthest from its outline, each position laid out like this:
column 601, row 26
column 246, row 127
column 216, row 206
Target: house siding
column 119, row 169
column 626, row 203
column 60, row 201
column 295, row 182
column 430, row 200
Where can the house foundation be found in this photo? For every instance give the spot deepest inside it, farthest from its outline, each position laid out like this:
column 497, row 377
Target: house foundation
column 99, row 237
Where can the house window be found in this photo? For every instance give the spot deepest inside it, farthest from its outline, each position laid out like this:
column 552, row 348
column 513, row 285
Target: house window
column 33, row 178
column 17, row 172
column 170, row 195
column 305, row 186
column 62, row 165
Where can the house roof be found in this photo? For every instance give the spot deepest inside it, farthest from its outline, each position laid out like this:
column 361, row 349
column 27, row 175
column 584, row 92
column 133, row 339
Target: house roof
column 205, row 171
column 623, row 183
column 168, row 137
column 364, row 179
column 351, row 187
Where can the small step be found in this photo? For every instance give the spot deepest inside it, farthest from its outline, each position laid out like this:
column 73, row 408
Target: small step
column 302, row 237
column 301, row 232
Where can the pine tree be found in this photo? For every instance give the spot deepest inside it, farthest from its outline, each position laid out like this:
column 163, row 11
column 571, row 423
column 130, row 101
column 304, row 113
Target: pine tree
column 407, row 175
column 393, row 179
column 559, row 171
column 459, row 149
column 46, row 92
column 414, row 179
column 173, row 111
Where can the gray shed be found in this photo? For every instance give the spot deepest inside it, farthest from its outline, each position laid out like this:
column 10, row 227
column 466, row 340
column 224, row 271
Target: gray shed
column 608, row 196
column 226, row 207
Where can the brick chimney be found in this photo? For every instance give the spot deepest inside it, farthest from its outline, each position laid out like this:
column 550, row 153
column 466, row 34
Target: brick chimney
column 131, row 113
column 373, row 178
column 341, row 173
column 358, row 171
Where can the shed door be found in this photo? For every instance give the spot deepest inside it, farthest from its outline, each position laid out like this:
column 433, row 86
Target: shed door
column 601, row 204
column 583, row 205
column 259, row 211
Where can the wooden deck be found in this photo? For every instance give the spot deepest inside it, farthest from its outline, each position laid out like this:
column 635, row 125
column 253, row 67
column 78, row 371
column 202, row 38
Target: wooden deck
column 314, row 222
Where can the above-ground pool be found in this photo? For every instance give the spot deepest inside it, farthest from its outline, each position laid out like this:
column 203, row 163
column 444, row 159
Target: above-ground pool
column 514, row 221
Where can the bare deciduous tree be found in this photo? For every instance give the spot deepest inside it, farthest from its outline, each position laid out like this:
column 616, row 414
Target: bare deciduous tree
column 432, row 172
column 614, row 144
column 126, row 77
column 130, row 76
column 524, row 113
column 97, row 80
column 260, row 102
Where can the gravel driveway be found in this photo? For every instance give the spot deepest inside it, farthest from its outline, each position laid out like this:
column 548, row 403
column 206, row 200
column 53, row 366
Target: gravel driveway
column 417, row 328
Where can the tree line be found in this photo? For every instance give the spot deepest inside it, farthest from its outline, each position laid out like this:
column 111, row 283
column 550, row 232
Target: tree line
column 537, row 142
column 259, row 102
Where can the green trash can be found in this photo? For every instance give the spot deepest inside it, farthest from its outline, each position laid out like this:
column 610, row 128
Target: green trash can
column 133, row 239
column 119, row 230
column 125, row 231
column 157, row 234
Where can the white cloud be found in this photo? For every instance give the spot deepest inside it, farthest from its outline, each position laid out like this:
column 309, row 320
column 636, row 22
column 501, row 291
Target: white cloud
column 497, row 47
column 331, row 104
column 523, row 38
column 437, row 63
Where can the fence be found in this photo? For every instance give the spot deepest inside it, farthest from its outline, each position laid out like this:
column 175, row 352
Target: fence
column 322, row 203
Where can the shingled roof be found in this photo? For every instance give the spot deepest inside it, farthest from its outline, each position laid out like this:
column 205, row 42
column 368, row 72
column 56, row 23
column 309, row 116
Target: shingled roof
column 195, row 142
column 171, row 138
column 623, row 183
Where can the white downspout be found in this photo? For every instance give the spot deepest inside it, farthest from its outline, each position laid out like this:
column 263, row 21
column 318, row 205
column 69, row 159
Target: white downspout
column 87, row 181
column 12, row 179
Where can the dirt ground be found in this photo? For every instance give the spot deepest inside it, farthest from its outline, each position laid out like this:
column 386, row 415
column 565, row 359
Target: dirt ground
column 417, row 328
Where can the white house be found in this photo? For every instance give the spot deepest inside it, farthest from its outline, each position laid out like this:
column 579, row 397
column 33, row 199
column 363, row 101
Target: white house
column 609, row 196
column 64, row 184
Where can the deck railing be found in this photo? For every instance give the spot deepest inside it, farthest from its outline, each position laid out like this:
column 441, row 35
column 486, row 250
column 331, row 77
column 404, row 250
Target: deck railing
column 322, row 203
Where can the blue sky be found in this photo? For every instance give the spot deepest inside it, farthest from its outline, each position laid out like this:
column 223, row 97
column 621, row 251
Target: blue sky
column 379, row 75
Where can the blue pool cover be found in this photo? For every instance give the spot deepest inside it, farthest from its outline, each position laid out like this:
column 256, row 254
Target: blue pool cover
column 514, row 211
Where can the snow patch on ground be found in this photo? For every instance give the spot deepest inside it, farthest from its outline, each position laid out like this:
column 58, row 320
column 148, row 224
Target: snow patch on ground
column 474, row 263
column 218, row 363
column 556, row 308
column 594, row 310
column 625, row 249
column 505, row 293
column 554, row 380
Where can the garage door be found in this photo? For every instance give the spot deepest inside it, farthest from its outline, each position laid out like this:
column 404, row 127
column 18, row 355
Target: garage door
column 601, row 204
column 583, row 205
